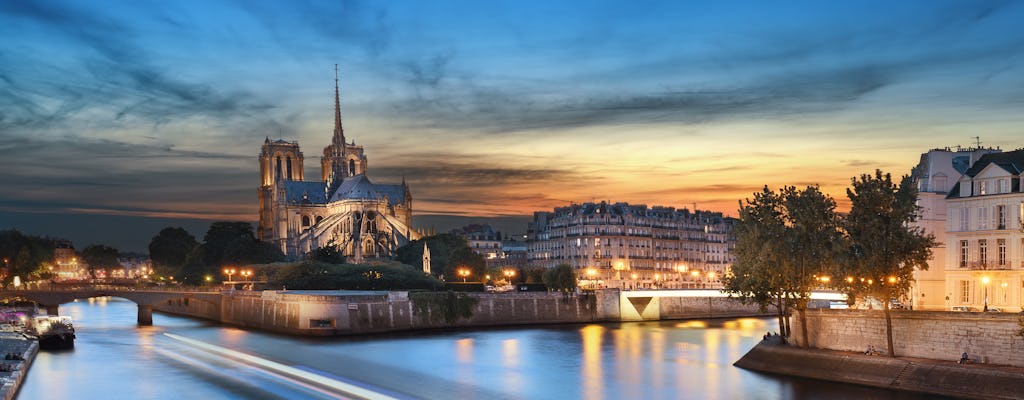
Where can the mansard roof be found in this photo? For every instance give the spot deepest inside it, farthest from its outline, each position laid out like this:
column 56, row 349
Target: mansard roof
column 1011, row 161
column 299, row 192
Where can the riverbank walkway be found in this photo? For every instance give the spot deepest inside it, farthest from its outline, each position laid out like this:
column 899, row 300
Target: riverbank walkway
column 12, row 371
column 939, row 377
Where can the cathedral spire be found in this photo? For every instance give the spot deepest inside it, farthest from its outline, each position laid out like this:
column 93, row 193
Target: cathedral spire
column 339, row 133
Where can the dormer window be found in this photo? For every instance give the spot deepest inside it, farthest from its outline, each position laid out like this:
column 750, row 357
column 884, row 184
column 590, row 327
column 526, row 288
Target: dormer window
column 982, row 188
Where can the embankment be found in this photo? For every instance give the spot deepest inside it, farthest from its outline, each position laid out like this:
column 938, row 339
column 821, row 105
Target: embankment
column 937, row 377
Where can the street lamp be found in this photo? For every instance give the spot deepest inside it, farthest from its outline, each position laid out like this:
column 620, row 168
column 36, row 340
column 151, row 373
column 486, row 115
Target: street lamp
column 984, row 281
column 229, row 272
column 463, row 273
column 509, row 274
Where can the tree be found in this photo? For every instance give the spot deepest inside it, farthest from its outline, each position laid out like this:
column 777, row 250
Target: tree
column 882, row 247
column 448, row 253
column 757, row 276
column 23, row 255
column 785, row 241
column 812, row 234
column 169, row 249
column 329, row 253
column 99, row 256
column 561, row 278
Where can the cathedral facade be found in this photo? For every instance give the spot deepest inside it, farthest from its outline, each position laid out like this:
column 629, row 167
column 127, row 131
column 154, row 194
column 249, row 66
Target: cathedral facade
column 343, row 209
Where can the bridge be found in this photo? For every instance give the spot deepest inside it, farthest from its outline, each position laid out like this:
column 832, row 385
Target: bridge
column 51, row 298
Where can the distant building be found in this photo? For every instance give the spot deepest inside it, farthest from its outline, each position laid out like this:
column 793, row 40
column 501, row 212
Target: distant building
column 135, row 265
column 934, row 176
column 65, row 261
column 632, row 246
column 985, row 234
column 483, row 239
column 515, row 254
column 344, row 209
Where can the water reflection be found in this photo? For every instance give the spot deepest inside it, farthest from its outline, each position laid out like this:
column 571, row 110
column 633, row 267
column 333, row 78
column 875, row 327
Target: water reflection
column 592, row 374
column 657, row 360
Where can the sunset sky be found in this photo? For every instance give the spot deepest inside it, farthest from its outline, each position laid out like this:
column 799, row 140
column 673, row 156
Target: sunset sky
column 119, row 118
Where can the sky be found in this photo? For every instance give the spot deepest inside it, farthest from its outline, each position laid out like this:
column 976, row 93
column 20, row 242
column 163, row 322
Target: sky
column 118, row 118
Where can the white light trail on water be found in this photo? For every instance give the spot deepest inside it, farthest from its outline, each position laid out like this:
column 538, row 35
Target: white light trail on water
column 223, row 374
column 342, row 387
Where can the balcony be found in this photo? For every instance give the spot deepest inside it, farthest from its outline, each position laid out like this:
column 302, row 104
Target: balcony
column 984, row 266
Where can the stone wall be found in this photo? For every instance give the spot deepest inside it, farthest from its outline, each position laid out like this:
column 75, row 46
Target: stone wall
column 938, row 378
column 986, row 337
column 366, row 312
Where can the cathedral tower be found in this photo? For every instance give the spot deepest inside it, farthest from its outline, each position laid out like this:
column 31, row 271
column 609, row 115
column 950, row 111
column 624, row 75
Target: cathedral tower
column 341, row 160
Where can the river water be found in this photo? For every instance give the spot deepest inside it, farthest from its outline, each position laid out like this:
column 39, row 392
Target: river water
column 180, row 358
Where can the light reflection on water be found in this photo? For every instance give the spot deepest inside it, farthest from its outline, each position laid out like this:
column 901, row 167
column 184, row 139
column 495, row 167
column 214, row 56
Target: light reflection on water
column 659, row 360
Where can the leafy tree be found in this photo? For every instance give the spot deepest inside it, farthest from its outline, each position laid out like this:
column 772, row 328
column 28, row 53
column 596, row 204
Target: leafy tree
column 99, row 256
column 315, row 275
column 448, row 253
column 226, row 243
column 24, row 254
column 757, row 276
column 465, row 257
column 561, row 278
column 882, row 247
column 530, row 274
column 812, row 235
column 329, row 253
column 785, row 241
column 170, row 248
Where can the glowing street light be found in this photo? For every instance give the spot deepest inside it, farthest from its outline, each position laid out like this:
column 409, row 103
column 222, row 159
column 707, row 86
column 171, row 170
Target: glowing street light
column 463, row 272
column 984, row 281
column 229, row 272
column 509, row 274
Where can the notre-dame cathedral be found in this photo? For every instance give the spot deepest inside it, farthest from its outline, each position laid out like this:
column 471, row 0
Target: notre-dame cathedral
column 344, row 209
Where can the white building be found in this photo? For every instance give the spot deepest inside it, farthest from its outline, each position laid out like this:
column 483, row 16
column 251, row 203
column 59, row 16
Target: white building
column 984, row 236
column 934, row 176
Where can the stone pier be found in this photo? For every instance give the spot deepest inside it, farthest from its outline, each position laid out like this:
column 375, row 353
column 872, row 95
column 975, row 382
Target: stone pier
column 145, row 314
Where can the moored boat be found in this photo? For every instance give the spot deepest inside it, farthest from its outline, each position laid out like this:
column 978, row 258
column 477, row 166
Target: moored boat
column 54, row 332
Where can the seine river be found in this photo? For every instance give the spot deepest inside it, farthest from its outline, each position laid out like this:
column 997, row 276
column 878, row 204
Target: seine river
column 180, row 358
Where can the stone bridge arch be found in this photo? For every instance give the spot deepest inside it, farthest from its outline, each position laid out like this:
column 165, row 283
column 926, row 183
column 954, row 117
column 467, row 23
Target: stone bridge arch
column 144, row 299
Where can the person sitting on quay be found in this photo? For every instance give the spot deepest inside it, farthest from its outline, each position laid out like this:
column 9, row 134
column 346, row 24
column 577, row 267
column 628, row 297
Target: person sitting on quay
column 964, row 359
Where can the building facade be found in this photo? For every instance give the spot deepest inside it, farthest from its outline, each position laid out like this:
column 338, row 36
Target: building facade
column 934, row 176
column 634, row 246
column 483, row 239
column 985, row 235
column 344, row 209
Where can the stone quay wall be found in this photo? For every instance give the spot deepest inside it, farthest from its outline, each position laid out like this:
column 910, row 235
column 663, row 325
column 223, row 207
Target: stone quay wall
column 940, row 335
column 922, row 376
column 337, row 313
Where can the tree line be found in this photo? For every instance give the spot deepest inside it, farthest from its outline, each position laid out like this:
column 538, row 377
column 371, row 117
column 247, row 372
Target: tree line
column 790, row 241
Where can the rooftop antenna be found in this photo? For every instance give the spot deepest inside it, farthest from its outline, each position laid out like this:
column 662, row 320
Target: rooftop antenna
column 977, row 141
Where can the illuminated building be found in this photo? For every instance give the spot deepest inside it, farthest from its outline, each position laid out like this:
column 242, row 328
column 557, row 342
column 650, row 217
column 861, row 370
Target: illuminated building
column 934, row 176
column 985, row 234
column 626, row 245
column 483, row 239
column 364, row 220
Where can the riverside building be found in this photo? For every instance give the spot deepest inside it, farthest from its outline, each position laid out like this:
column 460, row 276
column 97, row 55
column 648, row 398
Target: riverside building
column 634, row 246
column 985, row 234
column 936, row 173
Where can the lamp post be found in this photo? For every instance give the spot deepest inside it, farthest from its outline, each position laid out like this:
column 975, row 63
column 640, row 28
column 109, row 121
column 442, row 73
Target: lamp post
column 463, row 272
column 246, row 273
column 229, row 272
column 984, row 282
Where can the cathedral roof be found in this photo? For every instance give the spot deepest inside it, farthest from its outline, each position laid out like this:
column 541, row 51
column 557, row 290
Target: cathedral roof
column 301, row 192
column 359, row 187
